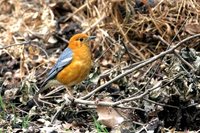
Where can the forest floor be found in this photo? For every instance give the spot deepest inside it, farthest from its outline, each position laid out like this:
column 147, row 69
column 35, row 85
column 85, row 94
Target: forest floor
column 145, row 76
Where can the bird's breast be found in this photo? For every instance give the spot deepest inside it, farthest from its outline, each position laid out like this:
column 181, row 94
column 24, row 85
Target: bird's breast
column 78, row 69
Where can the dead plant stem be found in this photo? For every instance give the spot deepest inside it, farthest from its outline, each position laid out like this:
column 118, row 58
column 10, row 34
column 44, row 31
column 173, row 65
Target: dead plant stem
column 148, row 61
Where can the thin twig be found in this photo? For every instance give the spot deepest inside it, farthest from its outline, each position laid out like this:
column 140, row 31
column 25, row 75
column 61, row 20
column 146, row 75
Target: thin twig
column 176, row 53
column 32, row 44
column 94, row 24
column 148, row 61
column 126, row 100
column 57, row 112
column 161, row 104
column 78, row 10
column 146, row 92
column 127, row 51
column 184, row 61
column 47, row 56
column 16, row 44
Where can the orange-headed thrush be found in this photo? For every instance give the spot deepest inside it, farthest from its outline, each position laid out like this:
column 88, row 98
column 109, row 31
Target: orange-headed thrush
column 73, row 65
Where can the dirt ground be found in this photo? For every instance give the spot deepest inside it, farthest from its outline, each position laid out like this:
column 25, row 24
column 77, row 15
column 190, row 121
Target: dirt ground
column 145, row 75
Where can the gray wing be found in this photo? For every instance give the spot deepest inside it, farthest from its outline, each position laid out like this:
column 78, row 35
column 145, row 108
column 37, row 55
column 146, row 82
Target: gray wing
column 64, row 59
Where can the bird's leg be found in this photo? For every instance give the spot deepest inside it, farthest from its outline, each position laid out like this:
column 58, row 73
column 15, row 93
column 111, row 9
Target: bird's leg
column 69, row 91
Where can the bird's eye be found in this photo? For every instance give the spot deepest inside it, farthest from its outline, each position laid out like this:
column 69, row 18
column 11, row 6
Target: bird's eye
column 81, row 39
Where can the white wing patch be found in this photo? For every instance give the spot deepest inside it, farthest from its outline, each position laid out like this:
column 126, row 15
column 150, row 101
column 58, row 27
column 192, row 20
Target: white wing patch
column 66, row 60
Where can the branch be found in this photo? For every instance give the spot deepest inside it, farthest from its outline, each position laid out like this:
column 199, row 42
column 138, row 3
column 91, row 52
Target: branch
column 176, row 53
column 126, row 100
column 148, row 61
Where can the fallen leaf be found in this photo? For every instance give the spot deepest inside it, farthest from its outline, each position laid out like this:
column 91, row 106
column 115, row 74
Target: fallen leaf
column 192, row 28
column 109, row 116
column 11, row 93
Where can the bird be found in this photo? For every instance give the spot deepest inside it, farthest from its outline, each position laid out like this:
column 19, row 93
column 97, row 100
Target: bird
column 73, row 65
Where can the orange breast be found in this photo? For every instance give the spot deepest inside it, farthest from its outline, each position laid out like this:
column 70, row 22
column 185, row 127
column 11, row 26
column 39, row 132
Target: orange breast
column 78, row 69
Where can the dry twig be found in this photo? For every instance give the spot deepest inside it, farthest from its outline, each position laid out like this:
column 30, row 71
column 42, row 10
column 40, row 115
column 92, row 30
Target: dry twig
column 148, row 61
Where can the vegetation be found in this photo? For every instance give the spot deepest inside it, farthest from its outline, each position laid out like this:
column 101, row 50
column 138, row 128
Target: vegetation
column 145, row 75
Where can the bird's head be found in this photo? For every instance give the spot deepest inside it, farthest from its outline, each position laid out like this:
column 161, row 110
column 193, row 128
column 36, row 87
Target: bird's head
column 79, row 39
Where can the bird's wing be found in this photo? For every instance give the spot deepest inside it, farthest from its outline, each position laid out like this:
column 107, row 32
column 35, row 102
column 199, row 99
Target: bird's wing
column 64, row 59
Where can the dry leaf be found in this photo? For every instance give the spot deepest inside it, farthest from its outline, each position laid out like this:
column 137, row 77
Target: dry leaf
column 108, row 116
column 192, row 28
column 111, row 117
column 11, row 93
column 67, row 125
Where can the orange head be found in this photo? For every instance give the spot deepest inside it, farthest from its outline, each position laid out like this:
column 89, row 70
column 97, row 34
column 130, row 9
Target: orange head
column 79, row 39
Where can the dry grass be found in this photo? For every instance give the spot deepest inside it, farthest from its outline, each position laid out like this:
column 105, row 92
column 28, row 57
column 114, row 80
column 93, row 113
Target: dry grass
column 34, row 33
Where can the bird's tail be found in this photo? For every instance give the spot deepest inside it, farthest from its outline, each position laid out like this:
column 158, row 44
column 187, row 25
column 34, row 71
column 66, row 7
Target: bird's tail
column 47, row 84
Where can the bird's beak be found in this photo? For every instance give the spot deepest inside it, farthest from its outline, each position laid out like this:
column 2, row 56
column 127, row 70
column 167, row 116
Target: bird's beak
column 91, row 38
